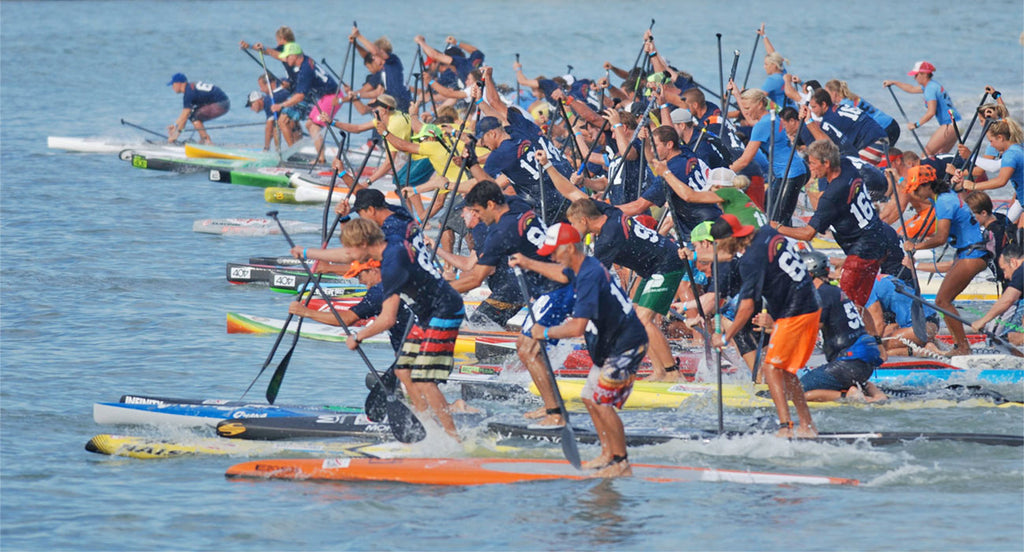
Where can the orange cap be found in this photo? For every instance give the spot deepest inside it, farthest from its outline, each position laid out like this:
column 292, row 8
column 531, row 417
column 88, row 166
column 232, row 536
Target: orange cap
column 916, row 176
column 357, row 267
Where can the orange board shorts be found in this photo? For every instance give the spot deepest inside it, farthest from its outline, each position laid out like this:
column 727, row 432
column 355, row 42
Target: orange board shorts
column 793, row 342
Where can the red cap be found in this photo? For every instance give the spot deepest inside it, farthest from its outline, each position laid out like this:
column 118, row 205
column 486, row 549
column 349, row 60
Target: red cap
column 646, row 220
column 922, row 67
column 560, row 234
column 729, row 226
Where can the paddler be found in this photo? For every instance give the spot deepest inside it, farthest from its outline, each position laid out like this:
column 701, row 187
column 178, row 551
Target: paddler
column 615, row 338
column 851, row 354
column 312, row 85
column 201, row 102
column 771, row 267
column 514, row 228
column 844, row 207
column 426, row 358
column 1006, row 312
column 260, row 101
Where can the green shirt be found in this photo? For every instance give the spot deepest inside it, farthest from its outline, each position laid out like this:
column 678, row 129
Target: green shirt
column 735, row 202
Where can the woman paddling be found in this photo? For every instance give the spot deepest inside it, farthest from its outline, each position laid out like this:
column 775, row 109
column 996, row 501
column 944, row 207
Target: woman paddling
column 938, row 105
column 955, row 222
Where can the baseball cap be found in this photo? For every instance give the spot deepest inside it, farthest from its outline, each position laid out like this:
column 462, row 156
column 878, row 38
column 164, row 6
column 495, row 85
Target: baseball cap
column 357, row 267
column 428, row 131
column 454, row 51
column 728, row 226
column 485, row 125
column 681, row 115
column 291, row 49
column 254, row 97
column 559, row 234
column 922, row 67
column 178, row 77
column 367, row 198
column 702, row 232
column 721, row 176
column 384, row 100
column 916, row 176
column 646, row 220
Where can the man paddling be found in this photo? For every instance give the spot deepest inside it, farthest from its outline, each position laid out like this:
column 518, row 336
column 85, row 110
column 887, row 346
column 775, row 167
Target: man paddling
column 426, row 358
column 615, row 338
column 771, row 267
column 201, row 102
column 310, row 84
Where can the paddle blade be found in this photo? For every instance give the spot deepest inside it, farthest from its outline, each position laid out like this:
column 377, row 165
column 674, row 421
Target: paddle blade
column 376, row 406
column 917, row 321
column 405, row 426
column 569, row 448
column 275, row 381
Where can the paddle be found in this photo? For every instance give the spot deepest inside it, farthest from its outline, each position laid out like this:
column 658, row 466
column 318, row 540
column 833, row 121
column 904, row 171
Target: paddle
column 279, row 374
column 997, row 341
column 270, row 90
column 248, row 53
column 726, row 98
column 718, row 330
column 404, row 424
column 917, row 317
column 975, row 117
column 568, row 438
column 750, row 64
column 907, row 119
column 519, row 92
column 721, row 77
column 133, row 125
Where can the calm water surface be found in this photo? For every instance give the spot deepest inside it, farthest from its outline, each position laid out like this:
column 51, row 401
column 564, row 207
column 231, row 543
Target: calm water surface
column 105, row 290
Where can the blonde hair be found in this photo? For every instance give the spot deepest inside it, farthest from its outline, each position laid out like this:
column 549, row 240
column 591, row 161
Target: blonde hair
column 1007, row 128
column 741, row 182
column 776, row 59
column 285, row 34
column 840, row 88
column 361, row 232
column 383, row 43
column 755, row 96
column 999, row 109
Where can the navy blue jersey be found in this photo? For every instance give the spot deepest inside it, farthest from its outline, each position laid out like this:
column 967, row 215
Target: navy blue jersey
column 709, row 148
column 373, row 303
column 772, row 268
column 391, row 78
column 892, row 262
column 280, row 94
column 626, row 242
column 841, row 326
column 693, row 173
column 846, row 208
column 623, row 174
column 502, row 283
column 850, row 128
column 874, row 179
column 399, row 224
column 406, row 270
column 465, row 65
column 1017, row 280
column 514, row 159
column 614, row 327
column 519, row 230
column 311, row 80
column 198, row 94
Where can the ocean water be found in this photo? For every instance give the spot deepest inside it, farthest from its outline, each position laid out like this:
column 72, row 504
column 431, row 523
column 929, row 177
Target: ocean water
column 105, row 290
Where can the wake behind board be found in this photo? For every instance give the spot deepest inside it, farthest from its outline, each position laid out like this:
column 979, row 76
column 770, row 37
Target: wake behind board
column 488, row 471
column 633, row 439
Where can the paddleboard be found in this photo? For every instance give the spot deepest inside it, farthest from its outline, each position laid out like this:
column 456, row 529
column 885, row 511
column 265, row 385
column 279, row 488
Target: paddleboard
column 148, row 448
column 319, row 426
column 636, row 437
column 252, row 227
column 201, row 415
column 261, row 177
column 487, row 471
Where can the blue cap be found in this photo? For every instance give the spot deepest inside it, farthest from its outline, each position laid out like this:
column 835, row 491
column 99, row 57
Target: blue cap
column 178, row 77
column 486, row 125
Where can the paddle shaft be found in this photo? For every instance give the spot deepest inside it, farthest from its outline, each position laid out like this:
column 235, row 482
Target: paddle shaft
column 569, row 448
column 975, row 117
column 916, row 313
column 996, row 340
column 907, row 119
column 252, row 57
column 718, row 330
column 133, row 125
column 753, row 53
column 270, row 92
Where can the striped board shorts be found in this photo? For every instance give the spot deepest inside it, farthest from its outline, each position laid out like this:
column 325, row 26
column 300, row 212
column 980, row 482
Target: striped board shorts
column 428, row 351
column 611, row 383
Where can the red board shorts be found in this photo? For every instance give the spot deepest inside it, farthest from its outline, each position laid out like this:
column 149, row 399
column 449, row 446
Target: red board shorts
column 428, row 351
column 611, row 383
column 858, row 278
column 793, row 342
column 327, row 106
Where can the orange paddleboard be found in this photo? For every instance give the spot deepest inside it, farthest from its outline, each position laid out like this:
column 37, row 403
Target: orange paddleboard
column 485, row 471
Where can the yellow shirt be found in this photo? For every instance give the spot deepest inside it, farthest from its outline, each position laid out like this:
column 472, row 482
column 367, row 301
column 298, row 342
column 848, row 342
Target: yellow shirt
column 438, row 156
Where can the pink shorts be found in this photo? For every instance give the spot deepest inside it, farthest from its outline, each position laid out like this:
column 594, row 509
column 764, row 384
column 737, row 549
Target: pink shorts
column 326, row 106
